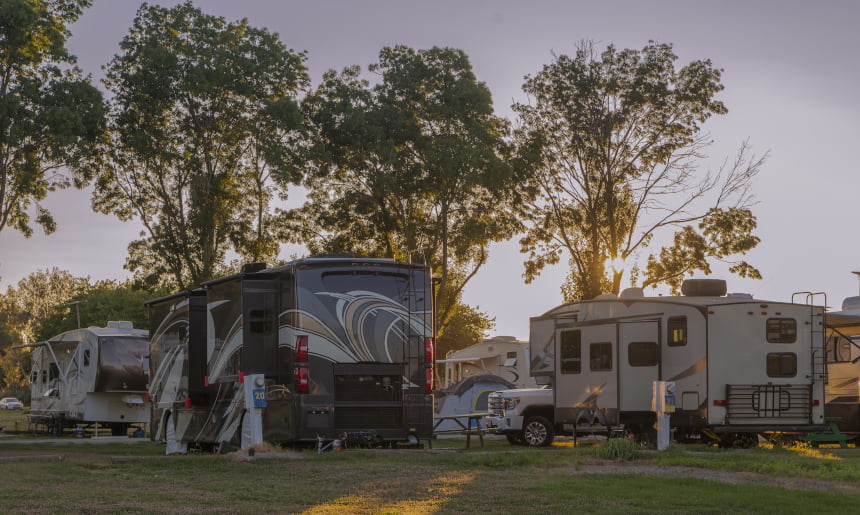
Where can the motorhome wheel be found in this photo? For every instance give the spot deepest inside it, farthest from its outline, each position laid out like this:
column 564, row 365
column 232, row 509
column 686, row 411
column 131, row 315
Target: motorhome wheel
column 538, row 432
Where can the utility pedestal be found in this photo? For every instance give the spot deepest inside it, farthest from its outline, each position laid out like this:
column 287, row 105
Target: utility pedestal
column 255, row 402
column 663, row 405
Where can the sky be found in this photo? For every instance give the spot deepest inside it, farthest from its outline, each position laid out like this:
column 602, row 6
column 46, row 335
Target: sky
column 790, row 71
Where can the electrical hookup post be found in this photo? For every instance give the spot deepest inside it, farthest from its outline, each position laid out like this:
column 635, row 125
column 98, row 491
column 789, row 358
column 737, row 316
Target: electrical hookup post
column 663, row 405
column 255, row 402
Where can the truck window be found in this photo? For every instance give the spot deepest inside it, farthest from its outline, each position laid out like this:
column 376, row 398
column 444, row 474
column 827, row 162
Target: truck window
column 781, row 364
column 781, row 330
column 600, row 356
column 677, row 330
column 642, row 354
column 571, row 352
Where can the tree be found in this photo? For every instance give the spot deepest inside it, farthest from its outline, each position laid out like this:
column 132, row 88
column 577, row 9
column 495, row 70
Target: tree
column 97, row 305
column 202, row 109
column 35, row 298
column 51, row 117
column 612, row 144
column 412, row 167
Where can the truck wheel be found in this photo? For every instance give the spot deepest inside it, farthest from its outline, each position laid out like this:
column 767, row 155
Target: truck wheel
column 514, row 439
column 537, row 432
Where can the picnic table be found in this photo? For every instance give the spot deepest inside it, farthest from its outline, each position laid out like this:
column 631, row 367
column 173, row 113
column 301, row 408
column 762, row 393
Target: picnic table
column 468, row 424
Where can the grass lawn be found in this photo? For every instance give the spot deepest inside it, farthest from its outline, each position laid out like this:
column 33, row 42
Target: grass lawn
column 449, row 479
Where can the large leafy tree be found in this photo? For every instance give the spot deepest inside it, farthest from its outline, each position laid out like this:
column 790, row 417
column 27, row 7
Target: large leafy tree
column 22, row 307
column 612, row 143
column 51, row 117
column 203, row 111
column 98, row 304
column 411, row 167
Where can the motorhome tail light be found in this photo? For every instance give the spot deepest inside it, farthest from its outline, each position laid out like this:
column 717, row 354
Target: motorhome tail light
column 301, row 349
column 816, row 402
column 428, row 351
column 242, row 377
column 302, row 379
column 148, row 397
column 205, row 380
column 720, row 403
column 188, row 402
column 428, row 383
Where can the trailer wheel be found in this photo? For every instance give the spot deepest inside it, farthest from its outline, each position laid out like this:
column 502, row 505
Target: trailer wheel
column 538, row 432
column 119, row 429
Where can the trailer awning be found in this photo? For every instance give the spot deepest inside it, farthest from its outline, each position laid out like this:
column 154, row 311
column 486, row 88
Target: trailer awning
column 845, row 323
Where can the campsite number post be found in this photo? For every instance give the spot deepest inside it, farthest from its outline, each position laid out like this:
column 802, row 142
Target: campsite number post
column 663, row 405
column 255, row 402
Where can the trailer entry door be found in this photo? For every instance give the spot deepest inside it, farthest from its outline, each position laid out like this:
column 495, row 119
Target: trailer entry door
column 639, row 356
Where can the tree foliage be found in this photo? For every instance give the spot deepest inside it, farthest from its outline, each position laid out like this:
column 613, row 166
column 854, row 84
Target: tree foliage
column 51, row 117
column 203, row 111
column 612, row 143
column 22, row 308
column 97, row 305
column 411, row 167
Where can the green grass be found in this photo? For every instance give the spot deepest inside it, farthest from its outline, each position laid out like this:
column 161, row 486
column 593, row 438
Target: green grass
column 496, row 479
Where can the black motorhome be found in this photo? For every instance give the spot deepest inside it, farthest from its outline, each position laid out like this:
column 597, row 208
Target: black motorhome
column 344, row 344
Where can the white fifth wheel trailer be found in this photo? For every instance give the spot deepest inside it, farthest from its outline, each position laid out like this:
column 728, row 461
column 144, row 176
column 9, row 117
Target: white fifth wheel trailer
column 502, row 356
column 91, row 375
column 741, row 366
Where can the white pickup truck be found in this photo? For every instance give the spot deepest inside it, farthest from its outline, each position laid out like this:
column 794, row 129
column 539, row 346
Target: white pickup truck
column 525, row 416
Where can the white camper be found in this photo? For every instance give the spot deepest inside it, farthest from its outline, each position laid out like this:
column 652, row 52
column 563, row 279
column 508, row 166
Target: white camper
column 740, row 365
column 91, row 375
column 502, row 356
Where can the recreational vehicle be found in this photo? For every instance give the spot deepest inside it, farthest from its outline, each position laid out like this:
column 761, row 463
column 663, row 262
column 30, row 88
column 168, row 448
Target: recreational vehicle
column 740, row 366
column 843, row 366
column 92, row 375
column 339, row 346
column 503, row 356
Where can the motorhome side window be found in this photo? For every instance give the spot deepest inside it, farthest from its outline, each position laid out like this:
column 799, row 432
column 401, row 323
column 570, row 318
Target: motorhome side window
column 677, row 330
column 600, row 355
column 781, row 364
column 571, row 352
column 642, row 354
column 781, row 330
column 87, row 358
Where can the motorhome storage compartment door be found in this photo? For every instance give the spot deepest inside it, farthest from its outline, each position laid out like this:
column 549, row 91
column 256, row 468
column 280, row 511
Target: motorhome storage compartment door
column 368, row 395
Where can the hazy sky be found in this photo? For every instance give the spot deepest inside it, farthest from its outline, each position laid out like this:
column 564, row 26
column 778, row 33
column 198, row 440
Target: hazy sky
column 791, row 72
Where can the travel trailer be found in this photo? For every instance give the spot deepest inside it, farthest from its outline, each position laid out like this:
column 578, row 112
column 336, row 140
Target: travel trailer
column 503, row 356
column 842, row 349
column 341, row 346
column 740, row 366
column 92, row 375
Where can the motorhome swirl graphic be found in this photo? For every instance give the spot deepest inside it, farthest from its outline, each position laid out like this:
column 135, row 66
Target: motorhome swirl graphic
column 341, row 345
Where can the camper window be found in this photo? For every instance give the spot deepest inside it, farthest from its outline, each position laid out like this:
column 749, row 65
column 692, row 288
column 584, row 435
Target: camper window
column 677, row 330
column 44, row 376
column 781, row 330
column 600, row 355
column 642, row 354
column 87, row 358
column 571, row 352
column 781, row 364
